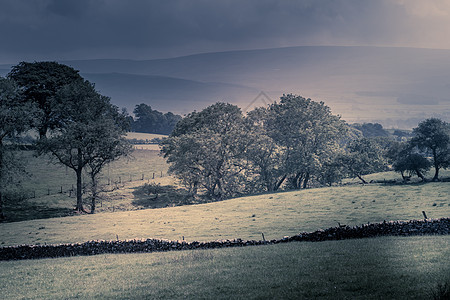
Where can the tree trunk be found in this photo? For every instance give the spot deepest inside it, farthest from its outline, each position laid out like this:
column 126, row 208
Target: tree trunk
column 94, row 193
column 296, row 181
column 436, row 173
column 420, row 175
column 220, row 190
column 210, row 191
column 193, row 189
column 362, row 179
column 79, row 170
column 305, row 181
column 436, row 166
column 279, row 183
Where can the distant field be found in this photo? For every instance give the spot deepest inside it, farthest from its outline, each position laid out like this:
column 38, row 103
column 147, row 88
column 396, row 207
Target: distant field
column 144, row 136
column 275, row 215
column 153, row 147
column 49, row 178
column 381, row 268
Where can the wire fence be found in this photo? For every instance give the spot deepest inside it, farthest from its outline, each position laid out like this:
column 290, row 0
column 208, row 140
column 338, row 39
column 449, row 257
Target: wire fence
column 114, row 183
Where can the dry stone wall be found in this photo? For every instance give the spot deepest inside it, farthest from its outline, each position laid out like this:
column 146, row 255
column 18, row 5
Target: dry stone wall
column 397, row 228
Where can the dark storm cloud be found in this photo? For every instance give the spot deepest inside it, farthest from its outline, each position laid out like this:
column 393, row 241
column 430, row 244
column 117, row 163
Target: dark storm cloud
column 45, row 29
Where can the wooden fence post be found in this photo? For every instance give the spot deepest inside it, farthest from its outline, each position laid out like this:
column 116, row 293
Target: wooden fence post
column 424, row 214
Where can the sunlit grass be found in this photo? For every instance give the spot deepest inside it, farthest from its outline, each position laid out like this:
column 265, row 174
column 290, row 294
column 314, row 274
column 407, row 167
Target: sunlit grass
column 382, row 268
column 48, row 178
column 144, row 136
column 275, row 215
column 45, row 175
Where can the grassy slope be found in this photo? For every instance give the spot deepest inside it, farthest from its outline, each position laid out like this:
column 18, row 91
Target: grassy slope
column 46, row 176
column 275, row 215
column 383, row 268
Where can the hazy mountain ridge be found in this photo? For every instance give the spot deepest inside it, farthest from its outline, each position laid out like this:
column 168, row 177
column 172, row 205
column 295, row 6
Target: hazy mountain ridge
column 164, row 93
column 394, row 86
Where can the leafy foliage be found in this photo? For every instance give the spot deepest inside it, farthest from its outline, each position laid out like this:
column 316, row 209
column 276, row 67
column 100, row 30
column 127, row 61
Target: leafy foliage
column 364, row 156
column 39, row 82
column 152, row 121
column 206, row 151
column 370, row 130
column 226, row 154
column 90, row 134
column 433, row 136
column 407, row 161
column 15, row 118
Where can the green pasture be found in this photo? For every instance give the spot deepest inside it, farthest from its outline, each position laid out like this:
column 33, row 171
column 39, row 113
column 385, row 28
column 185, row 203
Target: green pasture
column 275, row 215
column 381, row 268
column 45, row 174
column 42, row 187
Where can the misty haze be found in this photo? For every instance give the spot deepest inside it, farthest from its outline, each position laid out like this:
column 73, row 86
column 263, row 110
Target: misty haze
column 252, row 149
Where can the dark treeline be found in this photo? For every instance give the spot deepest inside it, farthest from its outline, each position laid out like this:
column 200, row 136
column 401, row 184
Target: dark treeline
column 148, row 120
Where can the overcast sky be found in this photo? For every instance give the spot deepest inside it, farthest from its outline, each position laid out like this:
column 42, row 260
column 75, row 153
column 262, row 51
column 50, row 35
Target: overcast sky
column 143, row 29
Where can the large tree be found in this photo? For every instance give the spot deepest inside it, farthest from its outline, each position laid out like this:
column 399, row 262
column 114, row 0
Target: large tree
column 406, row 160
column 15, row 118
column 39, row 83
column 206, row 151
column 264, row 155
column 364, row 156
column 307, row 132
column 89, row 134
column 433, row 136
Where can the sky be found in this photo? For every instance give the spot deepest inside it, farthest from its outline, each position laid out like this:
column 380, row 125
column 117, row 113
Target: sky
column 142, row 29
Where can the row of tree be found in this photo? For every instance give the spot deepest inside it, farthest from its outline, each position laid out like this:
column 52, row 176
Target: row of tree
column 76, row 125
column 293, row 143
column 148, row 120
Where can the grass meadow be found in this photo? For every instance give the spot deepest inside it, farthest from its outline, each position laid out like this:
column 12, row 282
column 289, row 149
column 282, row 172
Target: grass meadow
column 275, row 215
column 42, row 187
column 381, row 268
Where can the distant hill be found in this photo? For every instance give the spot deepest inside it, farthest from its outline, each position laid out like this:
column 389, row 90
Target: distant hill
column 165, row 93
column 396, row 87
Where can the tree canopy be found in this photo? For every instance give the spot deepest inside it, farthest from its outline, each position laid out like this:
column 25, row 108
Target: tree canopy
column 15, row 118
column 433, row 136
column 205, row 151
column 90, row 132
column 39, row 83
column 148, row 120
column 228, row 154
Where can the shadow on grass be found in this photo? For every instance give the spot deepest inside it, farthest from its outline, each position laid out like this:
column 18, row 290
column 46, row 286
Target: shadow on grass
column 157, row 196
column 24, row 211
column 409, row 182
